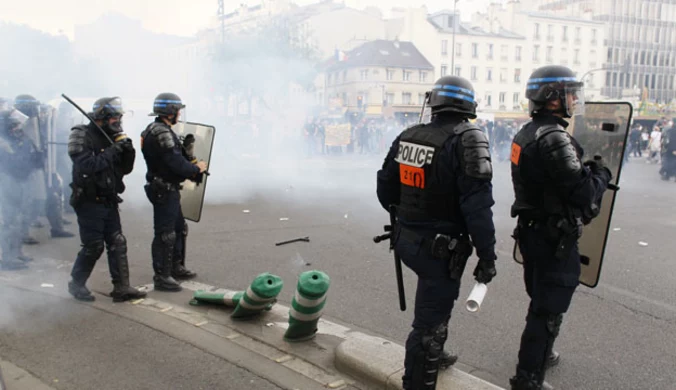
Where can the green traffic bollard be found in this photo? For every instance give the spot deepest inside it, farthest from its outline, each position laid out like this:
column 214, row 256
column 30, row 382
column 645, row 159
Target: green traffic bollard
column 260, row 296
column 307, row 305
column 230, row 299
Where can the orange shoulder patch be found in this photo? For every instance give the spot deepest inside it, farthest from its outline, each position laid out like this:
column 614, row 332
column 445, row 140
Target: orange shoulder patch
column 516, row 153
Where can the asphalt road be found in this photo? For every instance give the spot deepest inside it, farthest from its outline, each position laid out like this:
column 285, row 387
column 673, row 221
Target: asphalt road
column 620, row 335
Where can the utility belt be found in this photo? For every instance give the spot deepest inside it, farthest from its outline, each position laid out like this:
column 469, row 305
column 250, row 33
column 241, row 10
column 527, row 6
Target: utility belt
column 81, row 195
column 455, row 249
column 560, row 230
column 158, row 190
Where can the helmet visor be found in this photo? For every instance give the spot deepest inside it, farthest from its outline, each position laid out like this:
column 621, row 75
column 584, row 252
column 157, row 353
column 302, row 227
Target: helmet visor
column 574, row 103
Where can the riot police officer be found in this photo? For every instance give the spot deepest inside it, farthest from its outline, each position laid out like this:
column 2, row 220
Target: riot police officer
column 168, row 166
column 438, row 177
column 18, row 159
column 101, row 154
column 554, row 196
column 44, row 200
column 668, row 151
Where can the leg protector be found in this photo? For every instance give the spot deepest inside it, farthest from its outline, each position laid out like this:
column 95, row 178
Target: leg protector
column 117, row 255
column 163, row 252
column 426, row 367
column 86, row 259
column 179, row 271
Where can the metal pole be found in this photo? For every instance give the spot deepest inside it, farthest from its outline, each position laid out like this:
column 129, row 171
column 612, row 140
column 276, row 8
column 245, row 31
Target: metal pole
column 455, row 28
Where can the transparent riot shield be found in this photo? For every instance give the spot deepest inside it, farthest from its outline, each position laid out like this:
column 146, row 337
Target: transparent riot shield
column 192, row 194
column 603, row 131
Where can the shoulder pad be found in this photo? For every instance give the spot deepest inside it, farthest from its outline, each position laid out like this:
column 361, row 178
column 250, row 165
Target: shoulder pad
column 76, row 140
column 465, row 126
column 476, row 154
column 163, row 135
column 558, row 151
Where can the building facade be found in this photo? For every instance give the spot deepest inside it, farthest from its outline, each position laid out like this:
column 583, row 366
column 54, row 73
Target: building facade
column 380, row 77
column 641, row 43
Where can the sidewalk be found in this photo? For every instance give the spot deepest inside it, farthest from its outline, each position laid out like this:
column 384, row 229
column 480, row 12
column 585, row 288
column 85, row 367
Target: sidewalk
column 118, row 346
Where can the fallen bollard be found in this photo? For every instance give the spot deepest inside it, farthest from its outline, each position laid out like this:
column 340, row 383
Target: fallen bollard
column 260, row 296
column 307, row 306
column 230, row 298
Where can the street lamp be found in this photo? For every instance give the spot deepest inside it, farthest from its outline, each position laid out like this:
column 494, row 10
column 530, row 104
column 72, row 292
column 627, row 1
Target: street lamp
column 455, row 28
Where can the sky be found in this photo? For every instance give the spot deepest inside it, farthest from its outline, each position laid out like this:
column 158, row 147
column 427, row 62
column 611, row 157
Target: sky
column 177, row 17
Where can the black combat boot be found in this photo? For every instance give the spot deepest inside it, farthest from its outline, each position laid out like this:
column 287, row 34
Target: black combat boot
column 446, row 360
column 528, row 381
column 163, row 252
column 179, row 272
column 80, row 292
column 61, row 234
column 122, row 291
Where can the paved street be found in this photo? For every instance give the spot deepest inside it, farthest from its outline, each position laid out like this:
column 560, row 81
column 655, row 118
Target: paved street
column 621, row 335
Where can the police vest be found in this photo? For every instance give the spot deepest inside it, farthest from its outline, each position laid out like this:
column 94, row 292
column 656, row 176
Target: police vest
column 423, row 197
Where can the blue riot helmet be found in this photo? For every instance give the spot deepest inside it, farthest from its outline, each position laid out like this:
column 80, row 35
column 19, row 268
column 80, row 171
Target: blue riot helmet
column 551, row 83
column 28, row 105
column 106, row 108
column 453, row 94
column 167, row 104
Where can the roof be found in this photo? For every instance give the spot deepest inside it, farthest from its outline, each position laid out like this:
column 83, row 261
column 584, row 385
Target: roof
column 546, row 15
column 468, row 29
column 382, row 53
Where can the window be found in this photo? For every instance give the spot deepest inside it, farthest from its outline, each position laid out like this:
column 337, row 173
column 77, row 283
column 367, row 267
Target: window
column 457, row 71
column 444, row 47
column 328, row 79
column 364, row 74
column 475, row 50
column 503, row 75
column 423, row 76
column 565, row 34
column 549, row 54
column 502, row 97
column 577, row 56
column 536, row 53
column 515, row 98
column 488, row 99
column 537, row 31
column 593, row 36
column 517, row 53
column 458, row 49
column 390, row 75
column 407, row 76
column 490, row 51
column 550, row 33
column 578, row 34
column 517, row 75
column 406, row 98
column 504, row 53
column 389, row 98
column 489, row 74
column 344, row 76
column 444, row 70
column 473, row 74
column 421, row 99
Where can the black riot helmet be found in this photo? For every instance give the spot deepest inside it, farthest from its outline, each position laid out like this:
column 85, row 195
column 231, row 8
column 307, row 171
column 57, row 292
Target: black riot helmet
column 166, row 104
column 551, row 83
column 106, row 108
column 28, row 105
column 453, row 94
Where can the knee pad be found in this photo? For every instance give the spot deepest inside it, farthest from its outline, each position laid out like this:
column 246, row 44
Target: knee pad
column 119, row 243
column 93, row 249
column 433, row 341
column 168, row 238
column 554, row 324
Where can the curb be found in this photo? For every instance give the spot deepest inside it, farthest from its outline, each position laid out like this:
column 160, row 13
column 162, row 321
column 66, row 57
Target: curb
column 16, row 378
column 379, row 363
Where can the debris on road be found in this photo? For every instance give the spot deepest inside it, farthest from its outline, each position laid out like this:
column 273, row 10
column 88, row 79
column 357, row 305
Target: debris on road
column 284, row 219
column 305, row 239
column 643, row 243
column 246, row 211
column 47, row 285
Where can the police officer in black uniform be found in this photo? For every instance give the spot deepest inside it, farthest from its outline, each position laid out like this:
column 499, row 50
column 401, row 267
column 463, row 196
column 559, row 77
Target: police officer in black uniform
column 555, row 195
column 668, row 168
column 438, row 177
column 99, row 166
column 18, row 159
column 169, row 164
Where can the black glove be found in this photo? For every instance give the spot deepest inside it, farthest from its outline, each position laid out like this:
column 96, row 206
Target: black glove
column 127, row 145
column 188, row 140
column 485, row 271
column 598, row 167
